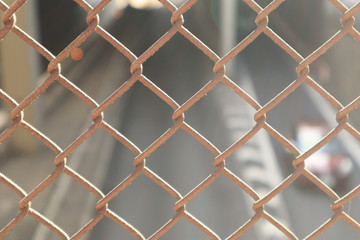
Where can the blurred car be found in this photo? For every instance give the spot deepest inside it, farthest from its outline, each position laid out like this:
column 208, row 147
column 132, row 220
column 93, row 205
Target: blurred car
column 330, row 163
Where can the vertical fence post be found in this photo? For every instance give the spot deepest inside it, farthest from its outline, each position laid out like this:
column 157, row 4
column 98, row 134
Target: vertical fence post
column 19, row 69
column 228, row 30
column 228, row 41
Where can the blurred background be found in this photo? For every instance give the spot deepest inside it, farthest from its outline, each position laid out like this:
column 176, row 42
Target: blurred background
column 180, row 69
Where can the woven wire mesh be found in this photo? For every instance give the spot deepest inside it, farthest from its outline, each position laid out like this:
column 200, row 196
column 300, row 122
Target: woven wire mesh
column 179, row 110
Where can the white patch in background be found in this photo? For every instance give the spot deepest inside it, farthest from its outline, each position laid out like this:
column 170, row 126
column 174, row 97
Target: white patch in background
column 145, row 4
column 121, row 4
column 349, row 3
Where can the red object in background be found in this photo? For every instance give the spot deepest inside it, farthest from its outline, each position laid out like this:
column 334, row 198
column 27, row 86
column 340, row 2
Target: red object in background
column 330, row 163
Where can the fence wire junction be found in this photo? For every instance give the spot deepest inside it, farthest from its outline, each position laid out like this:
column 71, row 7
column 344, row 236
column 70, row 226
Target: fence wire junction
column 136, row 69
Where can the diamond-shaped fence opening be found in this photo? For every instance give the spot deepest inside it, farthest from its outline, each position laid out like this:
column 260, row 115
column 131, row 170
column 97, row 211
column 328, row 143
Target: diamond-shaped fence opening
column 177, row 54
column 135, row 27
column 119, row 162
column 67, row 129
column 328, row 70
column 11, row 64
column 248, row 155
column 303, row 33
column 202, row 117
column 59, row 208
column 204, row 10
column 278, row 74
column 305, row 221
column 305, row 113
column 222, row 196
column 247, row 19
column 35, row 167
column 142, row 131
column 191, row 157
column 133, row 205
column 60, row 23
column 85, row 121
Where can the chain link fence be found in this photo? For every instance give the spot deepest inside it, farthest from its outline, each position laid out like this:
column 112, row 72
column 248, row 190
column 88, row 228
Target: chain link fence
column 178, row 117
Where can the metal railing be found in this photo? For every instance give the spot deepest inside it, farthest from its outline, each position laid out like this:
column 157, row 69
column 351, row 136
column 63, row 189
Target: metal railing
column 179, row 110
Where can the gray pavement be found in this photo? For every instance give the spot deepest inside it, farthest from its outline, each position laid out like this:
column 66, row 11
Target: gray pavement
column 64, row 118
column 222, row 206
column 181, row 161
column 308, row 208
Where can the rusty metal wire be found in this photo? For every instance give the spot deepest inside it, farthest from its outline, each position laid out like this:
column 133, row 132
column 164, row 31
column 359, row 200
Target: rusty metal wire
column 219, row 71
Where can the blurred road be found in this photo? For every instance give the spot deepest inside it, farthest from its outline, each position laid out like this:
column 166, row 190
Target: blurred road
column 184, row 163
column 180, row 70
column 308, row 207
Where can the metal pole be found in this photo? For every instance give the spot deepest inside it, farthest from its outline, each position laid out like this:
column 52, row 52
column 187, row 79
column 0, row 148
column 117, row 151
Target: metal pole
column 227, row 32
column 263, row 230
